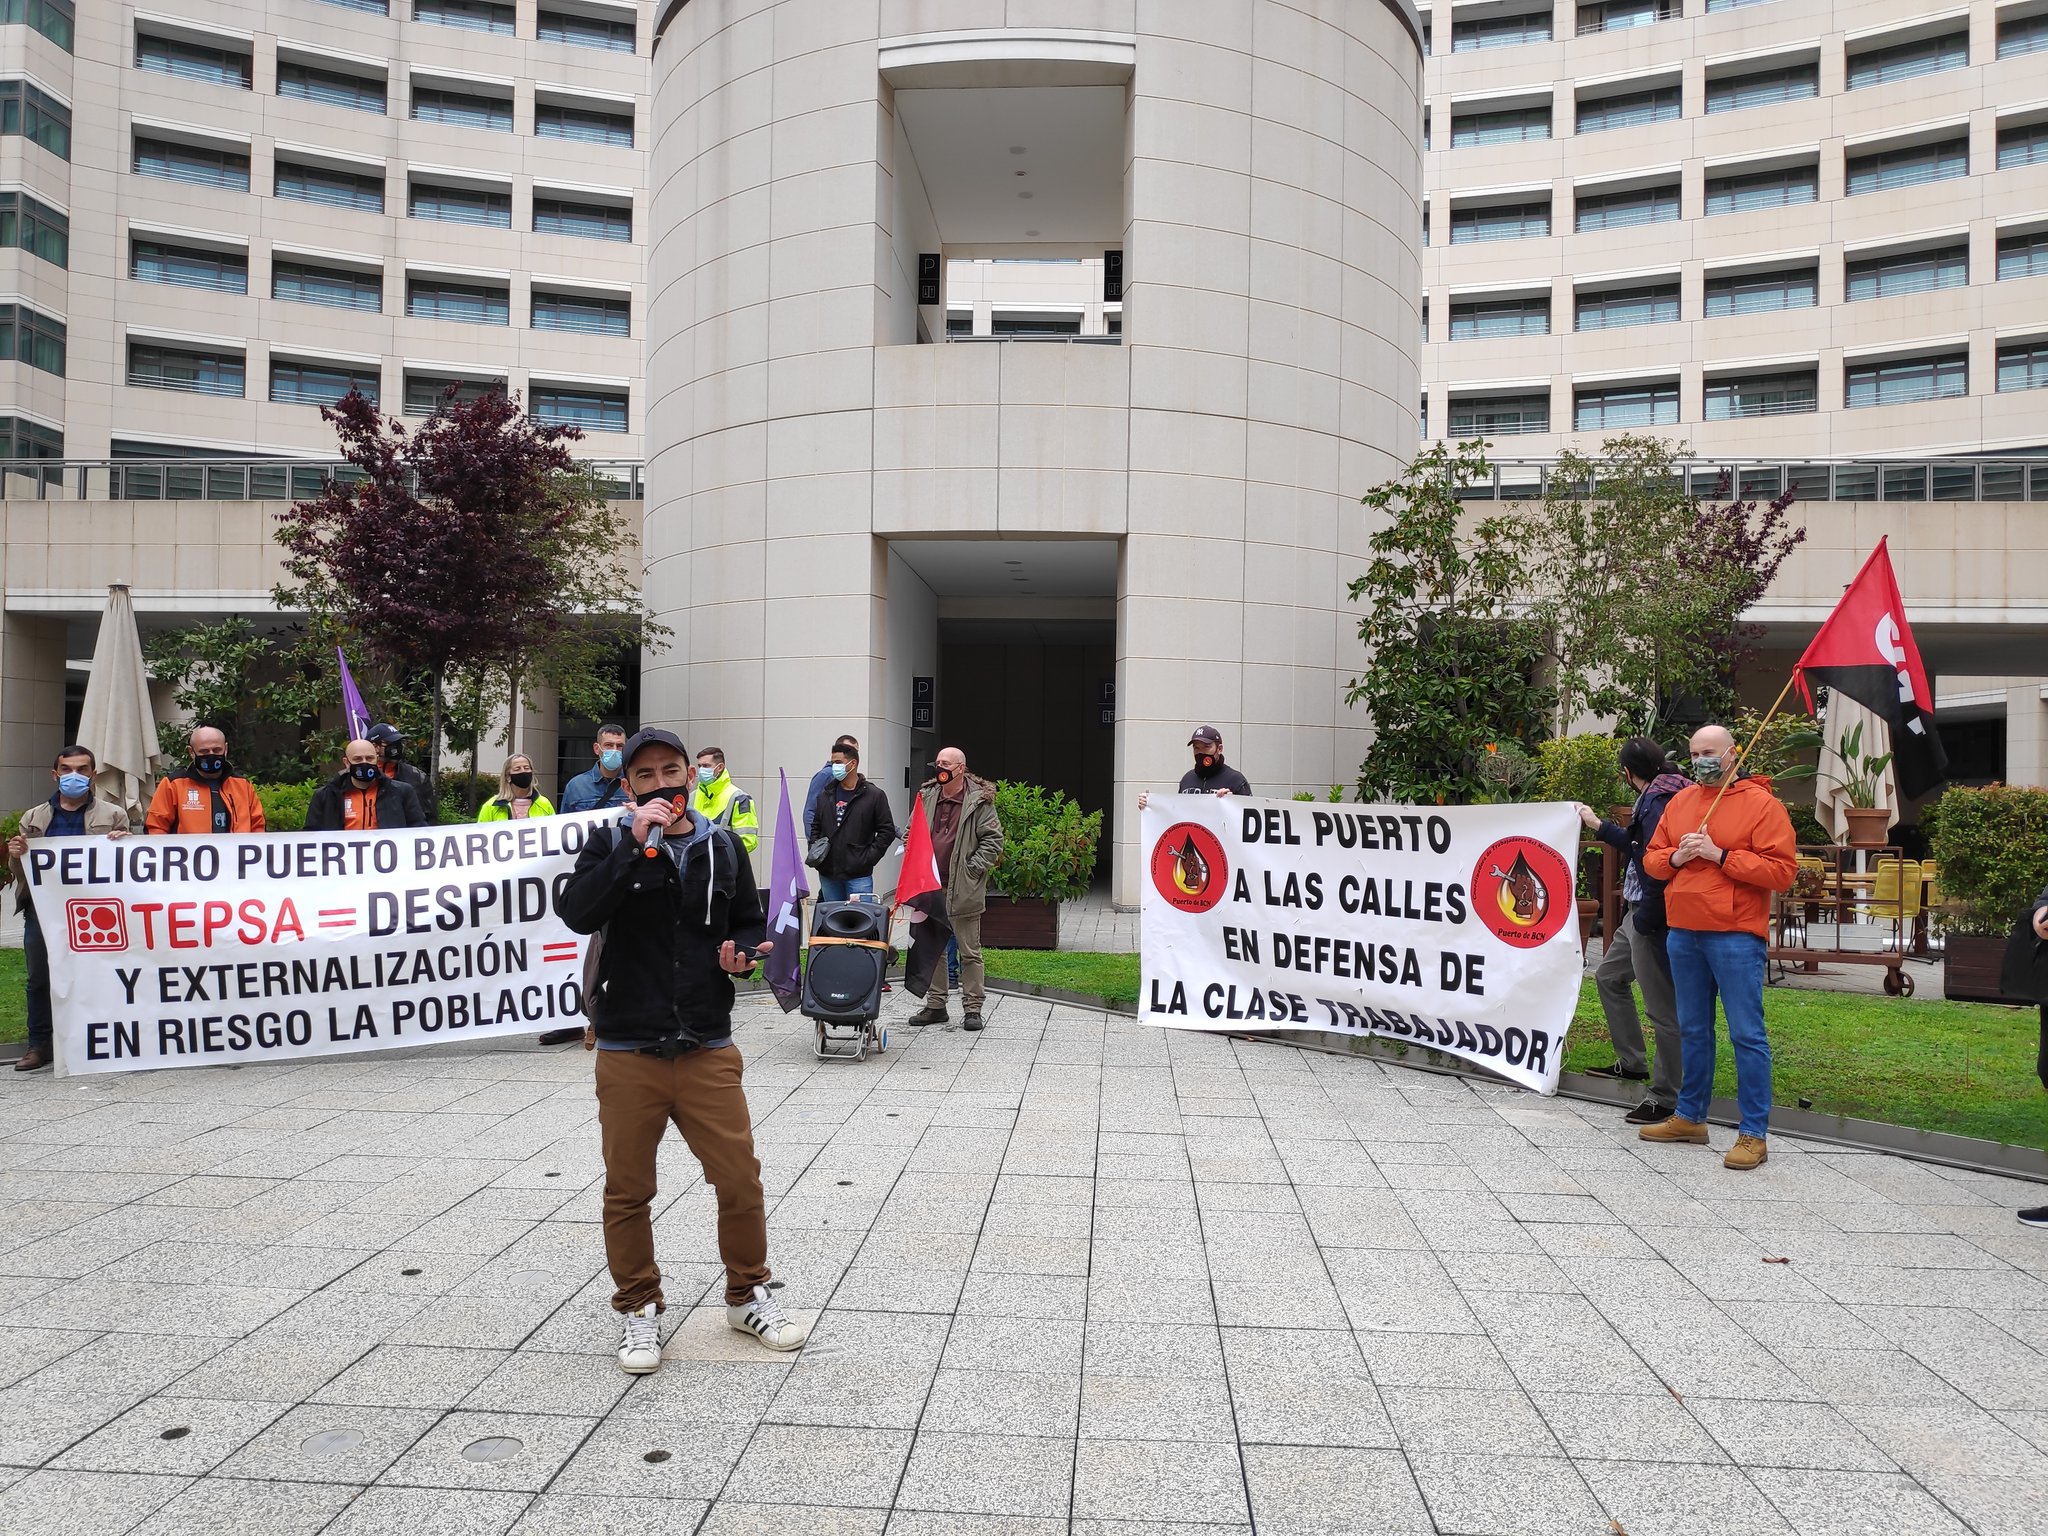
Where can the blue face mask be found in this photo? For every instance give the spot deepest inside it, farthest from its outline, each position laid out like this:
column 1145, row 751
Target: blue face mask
column 838, row 773
column 609, row 759
column 73, row 786
column 706, row 775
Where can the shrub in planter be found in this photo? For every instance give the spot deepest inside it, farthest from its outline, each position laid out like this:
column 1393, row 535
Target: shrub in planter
column 285, row 805
column 1048, row 845
column 1992, row 848
column 1585, row 769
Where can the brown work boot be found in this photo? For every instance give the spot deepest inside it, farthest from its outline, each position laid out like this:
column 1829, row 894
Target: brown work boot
column 1747, row 1152
column 1677, row 1128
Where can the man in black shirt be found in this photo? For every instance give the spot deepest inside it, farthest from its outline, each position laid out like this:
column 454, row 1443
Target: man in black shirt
column 1210, row 775
column 853, row 817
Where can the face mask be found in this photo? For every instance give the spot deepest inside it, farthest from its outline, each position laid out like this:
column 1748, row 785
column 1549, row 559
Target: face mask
column 212, row 765
column 521, row 780
column 1706, row 768
column 838, row 773
column 943, row 775
column 73, row 786
column 1206, row 761
column 393, row 752
column 363, row 773
column 609, row 759
column 706, row 775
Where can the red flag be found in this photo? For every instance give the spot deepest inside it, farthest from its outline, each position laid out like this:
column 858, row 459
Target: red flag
column 1866, row 650
column 918, row 888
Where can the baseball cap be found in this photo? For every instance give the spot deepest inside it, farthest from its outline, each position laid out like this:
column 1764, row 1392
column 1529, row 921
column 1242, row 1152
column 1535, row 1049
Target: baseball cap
column 653, row 737
column 1207, row 733
column 383, row 733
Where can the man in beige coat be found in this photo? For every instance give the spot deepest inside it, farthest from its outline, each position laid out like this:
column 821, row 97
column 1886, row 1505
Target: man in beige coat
column 967, row 840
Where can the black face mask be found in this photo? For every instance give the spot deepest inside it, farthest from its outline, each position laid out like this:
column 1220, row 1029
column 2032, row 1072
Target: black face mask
column 363, row 773
column 211, row 766
column 393, row 752
column 521, row 780
column 1205, row 763
column 943, row 775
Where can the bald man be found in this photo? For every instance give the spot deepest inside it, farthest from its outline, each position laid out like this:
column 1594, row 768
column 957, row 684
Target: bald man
column 362, row 797
column 1724, row 846
column 967, row 841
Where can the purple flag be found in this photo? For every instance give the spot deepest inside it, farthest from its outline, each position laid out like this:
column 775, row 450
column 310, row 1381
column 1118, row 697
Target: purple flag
column 788, row 888
column 352, row 704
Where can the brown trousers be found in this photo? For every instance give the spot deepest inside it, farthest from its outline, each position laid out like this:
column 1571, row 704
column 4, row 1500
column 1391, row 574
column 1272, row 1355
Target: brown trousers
column 637, row 1097
column 973, row 976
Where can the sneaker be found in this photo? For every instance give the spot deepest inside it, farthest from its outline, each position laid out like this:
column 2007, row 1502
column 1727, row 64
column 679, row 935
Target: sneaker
column 1649, row 1112
column 2037, row 1217
column 764, row 1318
column 640, row 1349
column 1615, row 1069
column 1747, row 1152
column 1676, row 1128
column 927, row 1016
column 562, row 1036
column 971, row 1021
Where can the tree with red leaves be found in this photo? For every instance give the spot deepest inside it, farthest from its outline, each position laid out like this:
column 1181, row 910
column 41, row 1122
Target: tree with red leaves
column 472, row 544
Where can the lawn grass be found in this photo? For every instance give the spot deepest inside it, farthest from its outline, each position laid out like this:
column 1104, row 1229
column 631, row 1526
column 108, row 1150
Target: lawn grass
column 13, row 996
column 1963, row 1068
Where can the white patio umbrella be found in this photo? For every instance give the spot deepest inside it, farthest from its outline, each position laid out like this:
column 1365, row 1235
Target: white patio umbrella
column 116, row 720
column 1844, row 714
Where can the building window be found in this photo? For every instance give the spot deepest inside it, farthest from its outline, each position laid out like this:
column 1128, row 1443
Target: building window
column 1500, row 31
column 1884, row 277
column 1499, row 221
column 1509, row 416
column 2023, row 255
column 372, row 7
column 1631, row 109
column 1903, row 383
column 1764, row 88
column 197, row 167
column 24, row 439
column 2029, row 34
column 1516, row 125
column 1730, row 5
column 1887, row 169
column 1028, row 323
column 185, row 370
column 587, row 313
column 1904, row 61
column 1425, row 320
column 27, row 225
column 426, row 393
column 2023, row 365
column 1477, row 319
column 297, row 282
column 2026, row 144
column 959, row 322
column 461, row 109
column 1620, row 210
column 185, row 266
column 329, row 87
column 362, row 191
column 209, row 65
column 1763, row 189
column 1613, row 309
column 470, row 15
column 586, row 125
column 585, row 221
column 594, row 410
column 586, row 31
column 1621, row 407
column 459, row 205
column 42, row 120
column 1759, row 293
column 1785, row 394
column 433, row 298
column 1422, row 419
column 31, row 338
column 55, row 19
column 1619, row 15
column 297, row 383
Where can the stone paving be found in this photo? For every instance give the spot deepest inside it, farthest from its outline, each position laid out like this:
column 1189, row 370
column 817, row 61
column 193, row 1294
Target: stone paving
column 1071, row 1274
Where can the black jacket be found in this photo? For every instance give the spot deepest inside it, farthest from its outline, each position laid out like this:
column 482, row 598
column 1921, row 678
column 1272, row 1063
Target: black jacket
column 416, row 781
column 658, row 974
column 858, row 842
column 1194, row 782
column 397, row 806
column 1632, row 839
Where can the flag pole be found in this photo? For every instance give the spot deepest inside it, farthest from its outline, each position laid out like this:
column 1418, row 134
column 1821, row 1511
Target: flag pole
column 1743, row 756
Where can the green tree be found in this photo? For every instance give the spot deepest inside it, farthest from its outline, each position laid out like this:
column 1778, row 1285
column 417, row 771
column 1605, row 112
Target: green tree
column 1451, row 658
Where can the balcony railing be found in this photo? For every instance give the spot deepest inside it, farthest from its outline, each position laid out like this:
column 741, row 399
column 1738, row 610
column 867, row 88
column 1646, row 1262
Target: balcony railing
column 226, row 479
column 1959, row 479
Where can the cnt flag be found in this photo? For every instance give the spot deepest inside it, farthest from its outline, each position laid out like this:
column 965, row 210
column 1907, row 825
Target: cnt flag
column 788, row 889
column 918, row 888
column 352, row 704
column 1866, row 651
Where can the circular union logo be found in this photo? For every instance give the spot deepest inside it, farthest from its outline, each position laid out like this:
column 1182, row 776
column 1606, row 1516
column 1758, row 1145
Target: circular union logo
column 1188, row 867
column 1522, row 892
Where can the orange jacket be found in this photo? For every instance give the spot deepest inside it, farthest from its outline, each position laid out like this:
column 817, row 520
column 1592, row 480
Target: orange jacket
column 185, row 804
column 1761, row 855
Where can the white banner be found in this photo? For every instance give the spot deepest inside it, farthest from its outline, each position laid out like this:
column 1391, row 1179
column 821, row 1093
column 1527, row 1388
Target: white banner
column 200, row 951
column 1453, row 927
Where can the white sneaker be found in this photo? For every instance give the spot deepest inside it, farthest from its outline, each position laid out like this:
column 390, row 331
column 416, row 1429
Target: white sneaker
column 764, row 1318
column 640, row 1349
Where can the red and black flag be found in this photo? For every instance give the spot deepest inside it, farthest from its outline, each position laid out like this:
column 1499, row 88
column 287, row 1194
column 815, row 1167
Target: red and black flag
column 918, row 888
column 1866, row 651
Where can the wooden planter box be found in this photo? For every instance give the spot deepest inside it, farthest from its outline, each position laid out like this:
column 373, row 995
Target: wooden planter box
column 1971, row 972
column 1031, row 922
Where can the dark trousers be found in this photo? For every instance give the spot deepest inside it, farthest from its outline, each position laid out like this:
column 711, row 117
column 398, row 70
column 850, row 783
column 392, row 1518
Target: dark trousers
column 2041, row 1061
column 38, row 956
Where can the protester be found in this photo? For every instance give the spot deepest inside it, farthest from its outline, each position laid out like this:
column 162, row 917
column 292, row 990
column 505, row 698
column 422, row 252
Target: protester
column 853, row 819
column 517, row 799
column 390, row 743
column 822, row 780
column 361, row 798
column 603, row 784
column 1635, row 950
column 1720, row 861
column 675, row 928
column 967, row 842
column 717, row 799
column 1210, row 775
column 208, row 796
column 71, row 811
column 2037, row 1216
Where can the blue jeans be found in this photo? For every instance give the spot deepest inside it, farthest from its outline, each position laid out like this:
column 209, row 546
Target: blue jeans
column 845, row 890
column 1730, row 966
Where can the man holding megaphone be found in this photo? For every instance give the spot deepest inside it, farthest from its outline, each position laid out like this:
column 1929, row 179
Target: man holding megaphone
column 671, row 900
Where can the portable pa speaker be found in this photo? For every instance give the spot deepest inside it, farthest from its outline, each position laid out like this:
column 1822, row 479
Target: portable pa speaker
column 843, row 977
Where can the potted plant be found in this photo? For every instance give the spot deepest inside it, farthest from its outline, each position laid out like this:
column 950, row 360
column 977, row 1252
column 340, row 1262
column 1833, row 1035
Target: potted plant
column 1585, row 770
column 1991, row 847
column 1048, row 857
column 1868, row 821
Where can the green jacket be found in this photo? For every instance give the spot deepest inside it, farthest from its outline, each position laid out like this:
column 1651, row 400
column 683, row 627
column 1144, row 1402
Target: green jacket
column 977, row 845
column 495, row 809
column 721, row 803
